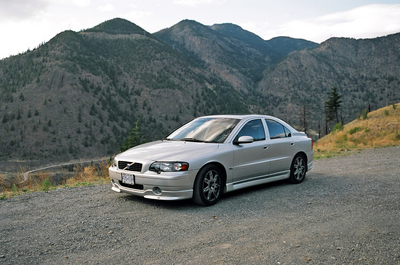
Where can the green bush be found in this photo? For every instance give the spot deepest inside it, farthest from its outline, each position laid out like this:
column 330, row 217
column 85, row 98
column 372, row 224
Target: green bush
column 338, row 127
column 354, row 130
column 46, row 185
column 365, row 114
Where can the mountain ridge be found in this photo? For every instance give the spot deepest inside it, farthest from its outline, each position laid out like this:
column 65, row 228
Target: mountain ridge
column 78, row 95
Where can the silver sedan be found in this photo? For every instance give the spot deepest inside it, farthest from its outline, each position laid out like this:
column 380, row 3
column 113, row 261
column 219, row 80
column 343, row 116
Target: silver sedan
column 213, row 155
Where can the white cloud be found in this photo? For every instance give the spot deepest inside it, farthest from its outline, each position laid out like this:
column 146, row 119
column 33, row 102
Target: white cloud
column 362, row 22
column 18, row 10
column 134, row 15
column 195, row 3
column 107, row 8
column 81, row 3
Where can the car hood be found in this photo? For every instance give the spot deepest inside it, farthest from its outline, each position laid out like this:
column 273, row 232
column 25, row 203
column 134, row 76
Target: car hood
column 168, row 151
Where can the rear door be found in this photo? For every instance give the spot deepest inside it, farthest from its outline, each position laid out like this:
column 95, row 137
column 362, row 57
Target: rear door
column 281, row 148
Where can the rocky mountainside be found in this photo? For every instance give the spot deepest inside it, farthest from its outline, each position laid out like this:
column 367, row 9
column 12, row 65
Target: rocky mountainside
column 236, row 55
column 78, row 95
column 366, row 73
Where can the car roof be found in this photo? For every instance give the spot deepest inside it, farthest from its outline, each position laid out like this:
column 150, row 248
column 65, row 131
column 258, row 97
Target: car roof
column 248, row 117
column 241, row 117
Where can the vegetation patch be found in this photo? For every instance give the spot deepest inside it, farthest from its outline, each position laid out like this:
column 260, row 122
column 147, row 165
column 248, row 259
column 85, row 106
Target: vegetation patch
column 13, row 185
column 354, row 130
column 380, row 128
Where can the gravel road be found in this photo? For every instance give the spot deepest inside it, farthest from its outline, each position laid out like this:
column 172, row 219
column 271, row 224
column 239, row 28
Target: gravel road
column 347, row 211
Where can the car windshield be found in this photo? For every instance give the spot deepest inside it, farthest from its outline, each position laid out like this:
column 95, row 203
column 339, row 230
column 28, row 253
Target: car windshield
column 212, row 130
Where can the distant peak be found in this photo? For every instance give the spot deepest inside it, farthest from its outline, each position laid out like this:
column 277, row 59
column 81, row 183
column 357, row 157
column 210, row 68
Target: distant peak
column 227, row 26
column 117, row 26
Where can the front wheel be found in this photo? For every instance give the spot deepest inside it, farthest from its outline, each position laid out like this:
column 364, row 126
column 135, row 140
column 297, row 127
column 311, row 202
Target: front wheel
column 207, row 186
column 298, row 169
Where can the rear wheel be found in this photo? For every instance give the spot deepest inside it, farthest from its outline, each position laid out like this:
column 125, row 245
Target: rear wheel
column 207, row 186
column 298, row 169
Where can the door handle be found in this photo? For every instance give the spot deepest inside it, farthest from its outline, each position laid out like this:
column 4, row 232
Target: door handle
column 291, row 143
column 265, row 147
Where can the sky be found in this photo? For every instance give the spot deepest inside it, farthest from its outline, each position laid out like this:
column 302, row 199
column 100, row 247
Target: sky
column 25, row 24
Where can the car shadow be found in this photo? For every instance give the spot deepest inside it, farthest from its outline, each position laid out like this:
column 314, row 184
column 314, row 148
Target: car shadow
column 256, row 189
column 188, row 204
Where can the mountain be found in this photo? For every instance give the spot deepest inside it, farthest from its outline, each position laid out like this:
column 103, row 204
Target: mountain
column 78, row 95
column 118, row 26
column 365, row 71
column 236, row 55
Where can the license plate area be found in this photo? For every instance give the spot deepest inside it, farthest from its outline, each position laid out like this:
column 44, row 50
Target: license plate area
column 128, row 178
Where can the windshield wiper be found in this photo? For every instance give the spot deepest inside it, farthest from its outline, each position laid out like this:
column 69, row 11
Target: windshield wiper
column 191, row 140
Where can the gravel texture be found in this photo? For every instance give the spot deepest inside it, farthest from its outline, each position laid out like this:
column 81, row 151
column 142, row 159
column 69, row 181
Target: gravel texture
column 345, row 212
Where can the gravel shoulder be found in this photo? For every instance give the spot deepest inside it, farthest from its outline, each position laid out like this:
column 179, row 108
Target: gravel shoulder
column 347, row 211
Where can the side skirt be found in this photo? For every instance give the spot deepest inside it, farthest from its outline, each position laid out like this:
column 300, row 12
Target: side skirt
column 258, row 181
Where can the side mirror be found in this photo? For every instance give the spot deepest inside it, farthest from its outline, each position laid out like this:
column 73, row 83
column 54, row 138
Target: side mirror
column 244, row 140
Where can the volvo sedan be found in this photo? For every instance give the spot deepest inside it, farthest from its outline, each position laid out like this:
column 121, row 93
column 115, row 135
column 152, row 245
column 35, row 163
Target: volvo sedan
column 213, row 155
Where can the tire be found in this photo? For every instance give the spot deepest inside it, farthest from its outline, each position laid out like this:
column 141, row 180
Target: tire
column 298, row 169
column 208, row 186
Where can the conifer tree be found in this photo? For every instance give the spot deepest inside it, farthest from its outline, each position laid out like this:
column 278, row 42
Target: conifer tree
column 332, row 105
column 135, row 138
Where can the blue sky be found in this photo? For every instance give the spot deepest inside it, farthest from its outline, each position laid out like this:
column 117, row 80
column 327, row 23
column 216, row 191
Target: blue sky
column 24, row 24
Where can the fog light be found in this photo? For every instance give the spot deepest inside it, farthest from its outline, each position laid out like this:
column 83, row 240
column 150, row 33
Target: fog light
column 157, row 191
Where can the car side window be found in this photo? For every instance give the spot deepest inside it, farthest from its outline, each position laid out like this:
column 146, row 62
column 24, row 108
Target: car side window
column 277, row 130
column 287, row 131
column 254, row 129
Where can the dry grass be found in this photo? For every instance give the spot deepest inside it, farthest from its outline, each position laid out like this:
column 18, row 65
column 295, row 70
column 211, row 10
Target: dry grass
column 380, row 129
column 15, row 184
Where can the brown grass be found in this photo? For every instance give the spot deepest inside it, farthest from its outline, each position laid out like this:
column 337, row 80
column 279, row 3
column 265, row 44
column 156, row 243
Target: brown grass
column 381, row 128
column 14, row 184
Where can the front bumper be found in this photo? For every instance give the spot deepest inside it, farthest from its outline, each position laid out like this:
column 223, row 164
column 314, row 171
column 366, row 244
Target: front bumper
column 150, row 185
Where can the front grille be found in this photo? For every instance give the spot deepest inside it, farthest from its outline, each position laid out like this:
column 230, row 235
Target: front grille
column 130, row 166
column 136, row 186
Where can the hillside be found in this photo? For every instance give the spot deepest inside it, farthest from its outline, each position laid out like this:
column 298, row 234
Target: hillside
column 78, row 95
column 236, row 55
column 379, row 128
column 365, row 71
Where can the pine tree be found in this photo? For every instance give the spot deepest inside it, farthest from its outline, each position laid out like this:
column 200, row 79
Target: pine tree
column 332, row 105
column 135, row 138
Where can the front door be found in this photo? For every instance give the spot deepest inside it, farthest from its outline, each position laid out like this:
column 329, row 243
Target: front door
column 250, row 159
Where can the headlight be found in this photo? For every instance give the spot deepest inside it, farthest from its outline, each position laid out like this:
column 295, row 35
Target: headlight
column 169, row 166
column 114, row 164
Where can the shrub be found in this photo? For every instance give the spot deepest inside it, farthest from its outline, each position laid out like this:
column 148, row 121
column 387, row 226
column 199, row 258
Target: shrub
column 365, row 114
column 14, row 188
column 386, row 112
column 338, row 127
column 46, row 185
column 354, row 130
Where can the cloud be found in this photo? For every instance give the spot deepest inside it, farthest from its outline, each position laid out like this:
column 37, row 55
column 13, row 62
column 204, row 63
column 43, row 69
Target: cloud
column 81, row 3
column 107, row 8
column 363, row 22
column 17, row 10
column 195, row 3
column 135, row 15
